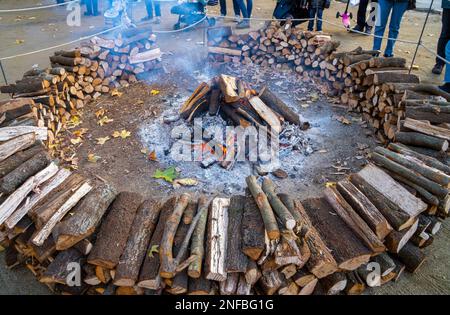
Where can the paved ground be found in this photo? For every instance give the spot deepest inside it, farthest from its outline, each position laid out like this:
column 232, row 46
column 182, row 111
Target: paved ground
column 43, row 28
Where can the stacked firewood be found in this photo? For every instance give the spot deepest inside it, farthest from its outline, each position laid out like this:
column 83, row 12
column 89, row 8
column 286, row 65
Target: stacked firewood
column 264, row 242
column 84, row 73
column 381, row 88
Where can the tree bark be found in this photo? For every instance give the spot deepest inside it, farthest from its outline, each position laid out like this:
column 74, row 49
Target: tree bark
column 276, row 104
column 57, row 271
column 412, row 257
column 334, row 283
column 280, row 209
column 18, row 158
column 113, row 234
column 86, row 217
column 365, row 208
column 198, row 239
column 252, row 230
column 236, row 260
column 267, row 214
column 345, row 247
column 12, row 146
column 127, row 271
column 396, row 240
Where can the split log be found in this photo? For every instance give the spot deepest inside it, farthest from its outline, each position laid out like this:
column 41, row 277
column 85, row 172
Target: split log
column 52, row 184
column 149, row 275
column 387, row 264
column 127, row 271
column 421, row 140
column 229, row 286
column 16, row 144
column 18, row 158
column 224, row 51
column 414, row 177
column 385, row 77
column 396, row 204
column 266, row 114
column 288, row 288
column 289, row 271
column 229, row 88
column 303, row 277
column 85, row 217
column 168, row 267
column 416, row 165
column 345, row 247
column 83, row 246
column 288, row 251
column 434, row 227
column 309, row 288
column 430, row 161
column 276, row 104
column 270, row 282
column 426, row 128
column 267, row 214
column 42, row 234
column 412, row 257
column 13, row 201
column 321, row 262
column 334, row 283
column 396, row 240
column 214, row 102
column 280, row 209
column 199, row 286
column 10, row 182
column 252, row 274
column 381, row 62
column 217, row 240
column 8, row 133
column 145, row 56
column 243, row 288
column 355, row 285
column 353, row 220
column 113, row 234
column 198, row 239
column 236, row 260
column 58, row 271
column 365, row 208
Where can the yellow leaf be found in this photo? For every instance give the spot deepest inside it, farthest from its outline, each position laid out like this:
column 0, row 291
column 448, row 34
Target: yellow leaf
column 93, row 158
column 104, row 120
column 154, row 92
column 330, row 184
column 144, row 151
column 80, row 132
column 123, row 134
column 103, row 140
column 153, row 250
column 74, row 121
column 152, row 156
column 185, row 182
column 116, row 92
column 20, row 41
column 75, row 140
column 100, row 112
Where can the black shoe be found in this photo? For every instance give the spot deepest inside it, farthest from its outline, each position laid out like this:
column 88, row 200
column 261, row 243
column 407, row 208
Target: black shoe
column 358, row 28
column 445, row 87
column 368, row 30
column 437, row 69
column 388, row 56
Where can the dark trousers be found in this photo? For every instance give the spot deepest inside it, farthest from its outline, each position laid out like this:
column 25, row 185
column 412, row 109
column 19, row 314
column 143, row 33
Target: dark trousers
column 313, row 12
column 149, row 6
column 223, row 7
column 246, row 10
column 59, row 1
column 445, row 35
column 187, row 9
column 92, row 7
column 362, row 9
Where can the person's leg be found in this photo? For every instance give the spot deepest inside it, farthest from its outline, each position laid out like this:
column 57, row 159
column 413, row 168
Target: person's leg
column 442, row 42
column 249, row 8
column 95, row 7
column 242, row 8
column 319, row 19
column 237, row 11
column 158, row 8
column 311, row 15
column 398, row 10
column 447, row 68
column 88, row 7
column 223, row 7
column 384, row 10
column 149, row 7
column 361, row 16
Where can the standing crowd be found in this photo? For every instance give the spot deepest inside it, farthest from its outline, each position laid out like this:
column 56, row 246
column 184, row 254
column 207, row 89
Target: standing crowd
column 392, row 11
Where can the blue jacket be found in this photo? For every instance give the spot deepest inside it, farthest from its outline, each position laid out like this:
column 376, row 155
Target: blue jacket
column 445, row 4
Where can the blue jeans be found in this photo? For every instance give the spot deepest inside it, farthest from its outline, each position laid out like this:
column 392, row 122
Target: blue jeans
column 385, row 8
column 223, row 8
column 246, row 10
column 149, row 4
column 447, row 67
column 312, row 12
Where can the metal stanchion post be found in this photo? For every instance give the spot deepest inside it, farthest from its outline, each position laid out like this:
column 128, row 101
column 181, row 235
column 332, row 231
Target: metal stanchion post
column 420, row 38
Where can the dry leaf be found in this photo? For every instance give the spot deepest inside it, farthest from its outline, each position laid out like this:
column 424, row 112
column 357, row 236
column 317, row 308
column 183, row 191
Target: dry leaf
column 330, row 184
column 144, row 151
column 75, row 140
column 100, row 112
column 104, row 120
column 123, row 134
column 103, row 140
column 80, row 132
column 93, row 158
column 343, row 120
column 154, row 92
column 116, row 92
column 20, row 41
column 185, row 182
column 73, row 122
column 153, row 250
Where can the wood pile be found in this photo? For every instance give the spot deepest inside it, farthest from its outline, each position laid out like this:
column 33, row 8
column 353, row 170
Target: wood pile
column 380, row 88
column 82, row 74
column 263, row 242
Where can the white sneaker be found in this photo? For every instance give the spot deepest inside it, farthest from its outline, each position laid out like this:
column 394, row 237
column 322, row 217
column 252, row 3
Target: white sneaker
column 237, row 18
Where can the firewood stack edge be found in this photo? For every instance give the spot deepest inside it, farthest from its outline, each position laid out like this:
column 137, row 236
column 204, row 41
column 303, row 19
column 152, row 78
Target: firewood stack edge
column 96, row 67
